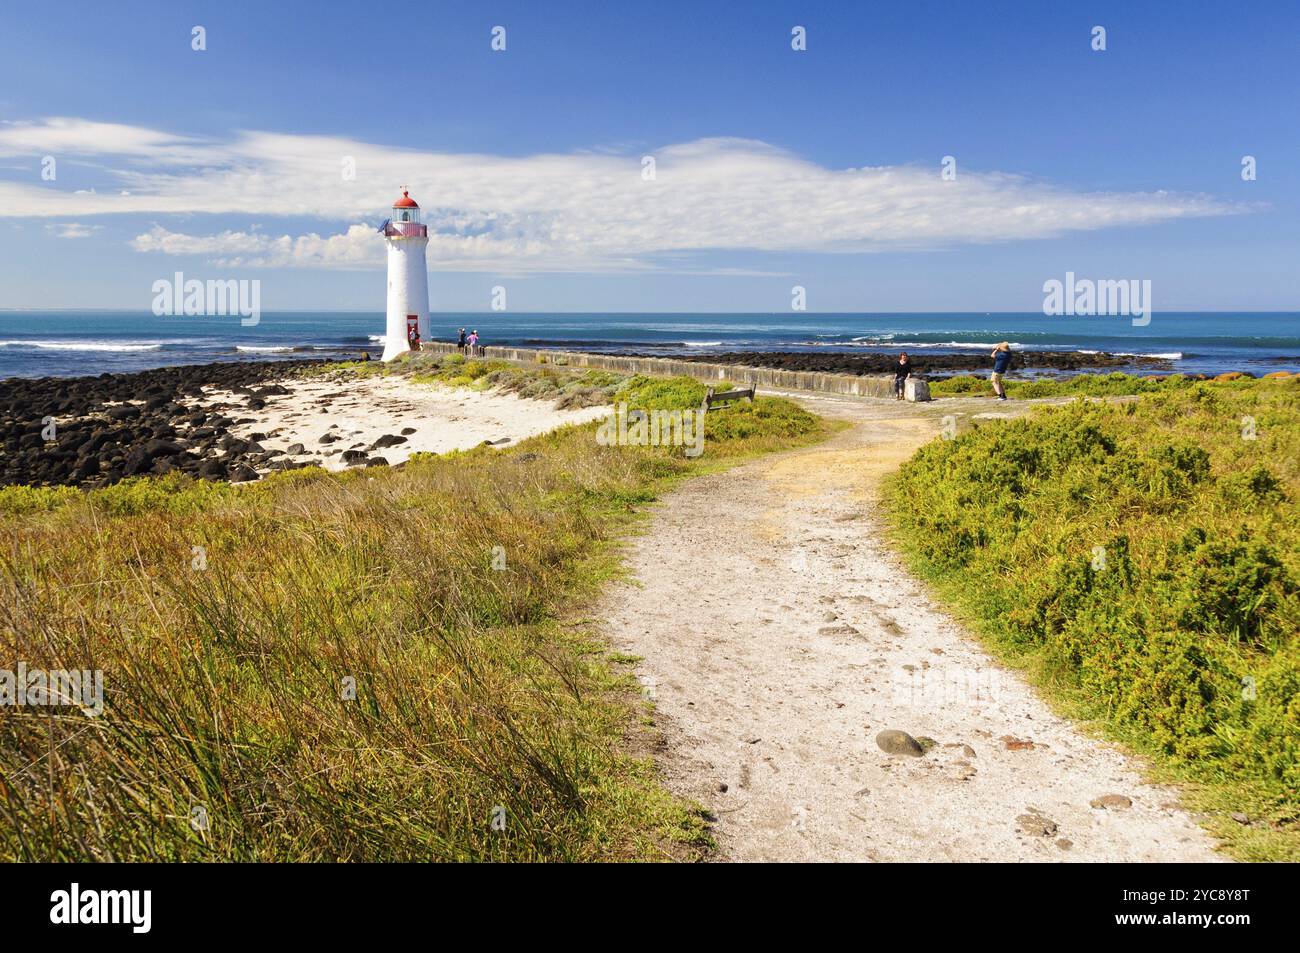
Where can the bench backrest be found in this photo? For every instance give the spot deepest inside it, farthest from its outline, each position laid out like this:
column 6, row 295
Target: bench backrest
column 712, row 399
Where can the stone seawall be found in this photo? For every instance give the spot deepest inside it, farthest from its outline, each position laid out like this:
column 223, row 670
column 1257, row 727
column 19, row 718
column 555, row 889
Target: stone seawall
column 855, row 385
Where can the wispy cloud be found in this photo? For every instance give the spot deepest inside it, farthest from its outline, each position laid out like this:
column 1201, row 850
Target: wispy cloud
column 358, row 247
column 581, row 211
column 73, row 229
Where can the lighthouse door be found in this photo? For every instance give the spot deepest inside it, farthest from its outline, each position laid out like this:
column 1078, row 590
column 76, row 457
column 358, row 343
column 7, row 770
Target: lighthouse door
column 412, row 330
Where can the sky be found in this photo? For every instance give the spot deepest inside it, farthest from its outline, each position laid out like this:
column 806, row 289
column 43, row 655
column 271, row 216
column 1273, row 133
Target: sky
column 653, row 157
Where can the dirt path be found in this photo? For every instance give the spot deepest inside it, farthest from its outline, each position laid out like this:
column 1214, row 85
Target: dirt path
column 780, row 636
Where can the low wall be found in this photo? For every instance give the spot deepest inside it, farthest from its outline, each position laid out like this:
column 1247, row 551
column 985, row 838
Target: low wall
column 857, row 386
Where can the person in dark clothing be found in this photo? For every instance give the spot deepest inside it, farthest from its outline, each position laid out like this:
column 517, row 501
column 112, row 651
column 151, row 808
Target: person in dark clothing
column 1001, row 364
column 461, row 342
column 902, row 370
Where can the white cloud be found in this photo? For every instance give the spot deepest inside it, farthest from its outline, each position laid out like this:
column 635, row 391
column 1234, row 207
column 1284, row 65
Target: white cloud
column 73, row 229
column 580, row 211
column 82, row 137
column 358, row 247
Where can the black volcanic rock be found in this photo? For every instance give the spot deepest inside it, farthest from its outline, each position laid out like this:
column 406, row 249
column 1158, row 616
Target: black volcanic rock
column 243, row 474
column 110, row 426
column 212, row 470
column 162, row 448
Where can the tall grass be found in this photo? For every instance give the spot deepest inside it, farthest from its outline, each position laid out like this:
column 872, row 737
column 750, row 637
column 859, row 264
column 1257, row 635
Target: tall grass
column 1143, row 561
column 231, row 731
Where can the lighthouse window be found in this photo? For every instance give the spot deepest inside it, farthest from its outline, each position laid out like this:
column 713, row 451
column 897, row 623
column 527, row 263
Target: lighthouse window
column 406, row 216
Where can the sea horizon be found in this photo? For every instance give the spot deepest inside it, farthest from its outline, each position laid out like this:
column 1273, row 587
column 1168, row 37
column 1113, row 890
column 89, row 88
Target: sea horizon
column 1154, row 311
column 78, row 342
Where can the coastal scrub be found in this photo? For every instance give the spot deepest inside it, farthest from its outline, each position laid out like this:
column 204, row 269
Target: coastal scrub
column 1141, row 561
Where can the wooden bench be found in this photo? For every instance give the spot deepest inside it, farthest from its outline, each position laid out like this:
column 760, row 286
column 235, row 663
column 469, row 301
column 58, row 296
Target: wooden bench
column 713, row 400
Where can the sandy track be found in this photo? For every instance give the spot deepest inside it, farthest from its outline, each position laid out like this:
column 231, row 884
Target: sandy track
column 780, row 635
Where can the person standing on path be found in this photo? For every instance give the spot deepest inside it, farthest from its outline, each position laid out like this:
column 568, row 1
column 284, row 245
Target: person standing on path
column 1001, row 364
column 460, row 343
column 472, row 340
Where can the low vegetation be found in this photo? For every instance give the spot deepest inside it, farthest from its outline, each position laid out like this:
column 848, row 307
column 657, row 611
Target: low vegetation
column 568, row 387
column 1141, row 559
column 1080, row 385
column 368, row 665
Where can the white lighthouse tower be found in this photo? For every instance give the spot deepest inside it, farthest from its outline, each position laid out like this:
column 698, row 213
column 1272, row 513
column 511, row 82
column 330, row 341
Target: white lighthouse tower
column 408, row 277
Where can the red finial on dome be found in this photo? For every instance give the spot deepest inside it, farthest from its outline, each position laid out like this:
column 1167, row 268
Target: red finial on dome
column 405, row 201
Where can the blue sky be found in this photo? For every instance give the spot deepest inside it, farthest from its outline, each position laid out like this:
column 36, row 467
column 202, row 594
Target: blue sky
column 773, row 167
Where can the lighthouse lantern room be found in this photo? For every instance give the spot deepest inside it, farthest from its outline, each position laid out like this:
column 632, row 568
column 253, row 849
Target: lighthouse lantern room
column 408, row 278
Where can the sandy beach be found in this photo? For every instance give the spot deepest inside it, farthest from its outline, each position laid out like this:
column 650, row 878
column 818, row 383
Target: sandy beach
column 341, row 421
column 239, row 421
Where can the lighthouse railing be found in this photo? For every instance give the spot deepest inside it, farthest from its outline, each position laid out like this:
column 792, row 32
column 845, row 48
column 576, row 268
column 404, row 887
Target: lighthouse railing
column 407, row 230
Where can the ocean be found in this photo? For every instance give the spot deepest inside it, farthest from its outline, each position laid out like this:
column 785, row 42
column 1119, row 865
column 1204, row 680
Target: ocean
column 73, row 343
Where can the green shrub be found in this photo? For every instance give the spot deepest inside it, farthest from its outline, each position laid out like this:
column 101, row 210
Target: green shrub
column 961, row 384
column 1144, row 559
column 1080, row 385
column 33, row 499
column 764, row 417
column 661, row 393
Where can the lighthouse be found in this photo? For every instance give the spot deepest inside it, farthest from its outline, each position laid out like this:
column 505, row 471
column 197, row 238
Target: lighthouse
column 408, row 277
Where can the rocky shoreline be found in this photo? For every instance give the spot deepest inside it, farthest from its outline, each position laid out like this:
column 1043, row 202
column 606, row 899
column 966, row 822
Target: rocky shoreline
column 931, row 365
column 239, row 421
column 95, row 431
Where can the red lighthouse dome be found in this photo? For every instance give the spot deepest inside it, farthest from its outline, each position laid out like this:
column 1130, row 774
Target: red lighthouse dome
column 406, row 212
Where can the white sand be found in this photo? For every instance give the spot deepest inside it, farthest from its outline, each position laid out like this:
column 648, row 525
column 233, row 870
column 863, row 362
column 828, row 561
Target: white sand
column 361, row 410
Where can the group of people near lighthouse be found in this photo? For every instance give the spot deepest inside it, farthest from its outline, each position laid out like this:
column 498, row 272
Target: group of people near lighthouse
column 1001, row 357
column 468, row 343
